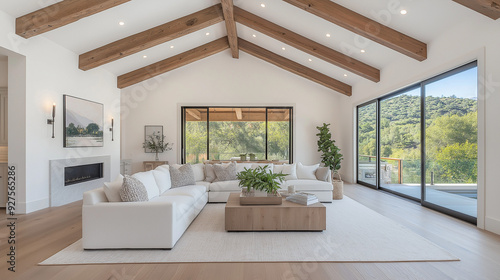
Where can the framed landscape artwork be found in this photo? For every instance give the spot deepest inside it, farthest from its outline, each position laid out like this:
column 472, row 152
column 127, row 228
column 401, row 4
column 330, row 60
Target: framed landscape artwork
column 83, row 122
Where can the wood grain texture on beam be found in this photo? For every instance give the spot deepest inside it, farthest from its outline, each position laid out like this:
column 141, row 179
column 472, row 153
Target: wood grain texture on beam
column 239, row 113
column 194, row 113
column 60, row 14
column 294, row 67
column 152, row 37
column 232, row 34
column 306, row 45
column 172, row 63
column 489, row 8
column 364, row 26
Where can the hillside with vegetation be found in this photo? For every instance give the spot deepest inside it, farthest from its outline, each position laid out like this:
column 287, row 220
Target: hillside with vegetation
column 451, row 136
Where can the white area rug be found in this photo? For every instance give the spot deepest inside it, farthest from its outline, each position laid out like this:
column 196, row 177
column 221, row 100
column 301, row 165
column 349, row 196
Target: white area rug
column 354, row 234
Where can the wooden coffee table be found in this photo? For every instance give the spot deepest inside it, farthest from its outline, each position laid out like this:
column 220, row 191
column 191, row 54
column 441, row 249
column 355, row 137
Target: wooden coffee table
column 288, row 216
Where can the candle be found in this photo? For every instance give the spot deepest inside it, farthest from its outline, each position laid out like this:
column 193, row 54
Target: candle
column 54, row 110
column 112, row 120
column 291, row 189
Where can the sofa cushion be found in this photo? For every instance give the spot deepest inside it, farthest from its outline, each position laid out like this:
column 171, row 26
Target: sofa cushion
column 268, row 168
column 133, row 190
column 241, row 167
column 307, row 171
column 209, row 173
column 290, row 169
column 162, row 178
column 203, row 183
column 225, row 186
column 194, row 191
column 322, row 174
column 112, row 189
column 225, row 172
column 183, row 176
column 308, row 185
column 182, row 203
column 148, row 179
column 199, row 171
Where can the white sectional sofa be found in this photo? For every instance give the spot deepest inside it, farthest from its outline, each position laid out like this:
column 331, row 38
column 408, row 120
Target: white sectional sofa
column 109, row 223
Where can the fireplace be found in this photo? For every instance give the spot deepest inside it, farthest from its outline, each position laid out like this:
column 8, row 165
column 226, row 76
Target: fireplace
column 82, row 173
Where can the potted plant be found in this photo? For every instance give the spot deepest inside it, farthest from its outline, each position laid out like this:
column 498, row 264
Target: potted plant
column 243, row 157
column 331, row 158
column 252, row 156
column 157, row 144
column 260, row 179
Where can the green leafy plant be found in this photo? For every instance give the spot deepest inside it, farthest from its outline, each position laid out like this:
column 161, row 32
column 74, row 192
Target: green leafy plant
column 261, row 179
column 157, row 144
column 331, row 156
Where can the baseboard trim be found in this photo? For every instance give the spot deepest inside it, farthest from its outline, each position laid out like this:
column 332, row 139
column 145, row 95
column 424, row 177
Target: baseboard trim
column 492, row 224
column 32, row 206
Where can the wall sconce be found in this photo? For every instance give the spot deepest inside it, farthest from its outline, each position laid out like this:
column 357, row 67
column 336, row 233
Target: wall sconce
column 112, row 130
column 51, row 121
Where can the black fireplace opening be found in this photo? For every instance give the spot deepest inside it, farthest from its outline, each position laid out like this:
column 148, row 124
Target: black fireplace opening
column 82, row 173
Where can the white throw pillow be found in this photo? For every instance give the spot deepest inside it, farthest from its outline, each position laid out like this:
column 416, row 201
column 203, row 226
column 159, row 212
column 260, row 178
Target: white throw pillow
column 112, row 189
column 148, row 180
column 307, row 171
column 268, row 168
column 162, row 178
column 241, row 167
column 290, row 169
column 199, row 171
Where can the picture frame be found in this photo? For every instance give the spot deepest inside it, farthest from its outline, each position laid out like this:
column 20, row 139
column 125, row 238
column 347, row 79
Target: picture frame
column 83, row 122
column 149, row 130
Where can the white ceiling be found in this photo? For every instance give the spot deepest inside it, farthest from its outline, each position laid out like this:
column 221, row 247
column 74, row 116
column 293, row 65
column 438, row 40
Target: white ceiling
column 426, row 20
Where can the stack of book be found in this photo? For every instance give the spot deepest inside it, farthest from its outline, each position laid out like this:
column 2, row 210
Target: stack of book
column 303, row 198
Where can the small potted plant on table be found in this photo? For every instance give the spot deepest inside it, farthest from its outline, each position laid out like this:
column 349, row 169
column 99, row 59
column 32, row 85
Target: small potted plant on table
column 156, row 143
column 260, row 179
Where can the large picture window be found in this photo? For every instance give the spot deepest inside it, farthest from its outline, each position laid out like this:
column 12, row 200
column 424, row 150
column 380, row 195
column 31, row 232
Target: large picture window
column 230, row 133
column 421, row 142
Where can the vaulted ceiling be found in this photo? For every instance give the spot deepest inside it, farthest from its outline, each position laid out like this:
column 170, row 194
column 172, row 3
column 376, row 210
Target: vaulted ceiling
column 334, row 43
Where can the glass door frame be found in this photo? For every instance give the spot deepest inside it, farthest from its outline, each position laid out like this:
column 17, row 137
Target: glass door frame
column 377, row 164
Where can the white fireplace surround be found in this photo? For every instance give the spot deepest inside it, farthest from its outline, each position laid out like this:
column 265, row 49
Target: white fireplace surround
column 61, row 194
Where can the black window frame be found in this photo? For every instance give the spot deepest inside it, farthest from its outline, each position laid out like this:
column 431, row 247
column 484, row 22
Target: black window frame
column 183, row 128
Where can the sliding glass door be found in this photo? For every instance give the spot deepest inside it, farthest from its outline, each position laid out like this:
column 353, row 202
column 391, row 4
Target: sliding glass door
column 400, row 149
column 367, row 144
column 451, row 141
column 421, row 142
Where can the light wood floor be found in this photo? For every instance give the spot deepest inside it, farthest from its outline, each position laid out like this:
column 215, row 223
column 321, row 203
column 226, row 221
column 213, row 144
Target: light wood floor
column 42, row 234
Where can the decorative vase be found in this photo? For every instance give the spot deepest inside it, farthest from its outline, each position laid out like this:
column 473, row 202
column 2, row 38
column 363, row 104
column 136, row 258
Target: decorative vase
column 338, row 186
column 252, row 156
column 157, row 158
column 243, row 157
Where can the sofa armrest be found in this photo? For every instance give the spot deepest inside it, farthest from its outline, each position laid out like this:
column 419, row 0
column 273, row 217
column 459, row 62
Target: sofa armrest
column 147, row 224
column 94, row 197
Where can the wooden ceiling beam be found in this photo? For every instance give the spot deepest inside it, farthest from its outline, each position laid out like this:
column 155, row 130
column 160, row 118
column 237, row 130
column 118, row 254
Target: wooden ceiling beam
column 152, row 37
column 306, row 45
column 172, row 63
column 364, row 26
column 489, row 8
column 294, row 67
column 60, row 14
column 232, row 34
column 194, row 113
column 239, row 113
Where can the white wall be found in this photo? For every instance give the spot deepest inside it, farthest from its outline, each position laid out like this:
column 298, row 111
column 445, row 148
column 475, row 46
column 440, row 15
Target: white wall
column 42, row 72
column 474, row 39
column 222, row 80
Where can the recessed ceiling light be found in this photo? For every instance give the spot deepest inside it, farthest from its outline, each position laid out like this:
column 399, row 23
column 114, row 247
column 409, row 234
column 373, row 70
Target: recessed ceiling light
column 254, row 35
column 403, row 12
column 283, row 48
column 263, row 5
column 328, row 35
column 121, row 23
column 208, row 33
column 144, row 56
column 171, row 47
column 345, row 75
column 363, row 51
column 310, row 59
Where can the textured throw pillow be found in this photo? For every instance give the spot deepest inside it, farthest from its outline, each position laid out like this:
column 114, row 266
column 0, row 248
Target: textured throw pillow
column 307, row 172
column 225, row 172
column 199, row 171
column 183, row 176
column 112, row 189
column 210, row 173
column 322, row 174
column 290, row 169
column 133, row 190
